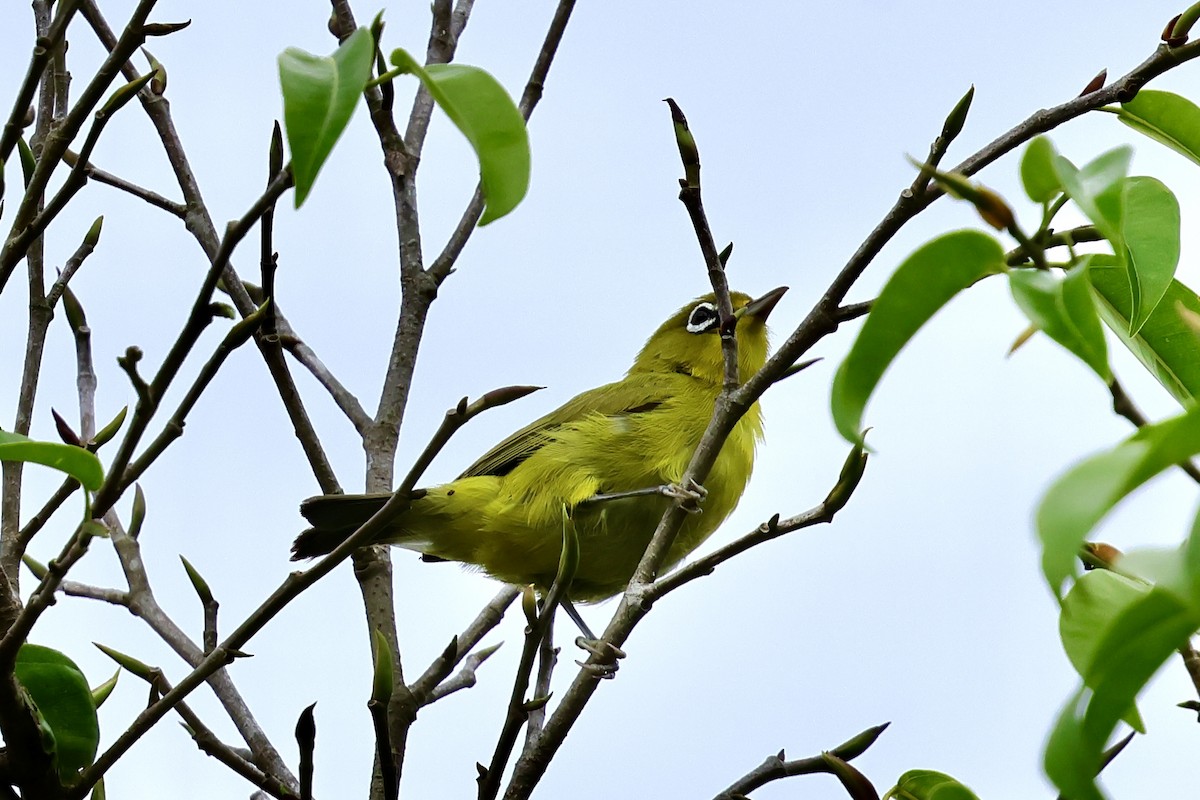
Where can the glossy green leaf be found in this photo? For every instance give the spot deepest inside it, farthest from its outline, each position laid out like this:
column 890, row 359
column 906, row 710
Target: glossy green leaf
column 1070, row 762
column 75, row 461
column 1150, row 229
column 1166, row 118
column 1089, row 610
column 1080, row 498
column 320, row 94
column 1063, row 308
column 1097, row 188
column 1166, row 344
column 1037, row 171
column 492, row 123
column 61, row 694
column 1138, row 643
column 925, row 282
column 925, row 784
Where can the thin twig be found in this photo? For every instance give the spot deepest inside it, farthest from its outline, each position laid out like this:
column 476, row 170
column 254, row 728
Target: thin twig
column 547, row 661
column 487, row 619
column 199, row 223
column 775, row 767
column 46, row 46
column 29, row 221
column 237, row 335
column 155, row 199
column 465, row 677
column 1123, row 405
column 443, row 265
column 342, row 397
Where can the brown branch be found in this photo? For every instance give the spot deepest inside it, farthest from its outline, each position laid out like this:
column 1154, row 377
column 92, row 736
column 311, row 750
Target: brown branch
column 1123, row 405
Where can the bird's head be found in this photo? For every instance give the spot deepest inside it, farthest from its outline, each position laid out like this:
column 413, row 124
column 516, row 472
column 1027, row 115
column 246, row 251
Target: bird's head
column 690, row 341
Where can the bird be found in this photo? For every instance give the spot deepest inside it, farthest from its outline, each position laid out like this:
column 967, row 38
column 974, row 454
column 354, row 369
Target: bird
column 613, row 457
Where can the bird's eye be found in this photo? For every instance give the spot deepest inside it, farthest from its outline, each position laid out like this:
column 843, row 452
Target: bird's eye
column 703, row 318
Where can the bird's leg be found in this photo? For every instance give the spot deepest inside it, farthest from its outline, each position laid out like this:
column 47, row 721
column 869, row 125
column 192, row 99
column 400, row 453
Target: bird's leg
column 573, row 613
column 608, row 653
column 689, row 495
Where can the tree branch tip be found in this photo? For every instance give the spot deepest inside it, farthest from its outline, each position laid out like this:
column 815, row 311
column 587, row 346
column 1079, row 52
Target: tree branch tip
column 164, row 28
column 676, row 112
column 486, row 653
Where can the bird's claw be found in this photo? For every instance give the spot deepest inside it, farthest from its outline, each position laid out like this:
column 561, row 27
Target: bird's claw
column 689, row 495
column 606, row 656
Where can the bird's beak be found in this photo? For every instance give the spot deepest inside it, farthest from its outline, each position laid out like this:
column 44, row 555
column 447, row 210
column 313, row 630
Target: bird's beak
column 761, row 307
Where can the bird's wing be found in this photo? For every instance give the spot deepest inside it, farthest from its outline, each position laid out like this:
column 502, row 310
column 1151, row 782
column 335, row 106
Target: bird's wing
column 614, row 399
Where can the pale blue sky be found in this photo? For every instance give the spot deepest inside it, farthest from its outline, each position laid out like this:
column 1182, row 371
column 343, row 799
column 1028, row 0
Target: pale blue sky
column 922, row 604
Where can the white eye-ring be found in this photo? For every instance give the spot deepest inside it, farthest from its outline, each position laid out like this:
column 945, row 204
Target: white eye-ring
column 703, row 318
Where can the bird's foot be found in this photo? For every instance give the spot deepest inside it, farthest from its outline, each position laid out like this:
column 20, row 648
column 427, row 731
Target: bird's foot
column 606, row 656
column 689, row 495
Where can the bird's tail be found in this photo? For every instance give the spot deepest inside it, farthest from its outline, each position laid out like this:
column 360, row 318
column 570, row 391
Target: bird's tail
column 334, row 517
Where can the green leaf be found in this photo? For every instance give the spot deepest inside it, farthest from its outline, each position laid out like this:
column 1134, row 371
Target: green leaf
column 1096, row 188
column 1089, row 610
column 1166, row 118
column 1037, row 171
column 492, row 123
column 1141, row 639
column 1064, row 310
column 925, row 282
column 1150, row 229
column 75, row 461
column 1070, row 764
column 61, row 694
column 1165, row 344
column 320, row 94
column 1080, row 498
column 925, row 784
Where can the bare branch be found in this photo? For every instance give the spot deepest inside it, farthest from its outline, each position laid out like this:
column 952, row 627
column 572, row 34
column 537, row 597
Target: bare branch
column 444, row 263
column 153, row 198
column 342, row 396
column 465, row 677
column 775, row 767
column 488, row 618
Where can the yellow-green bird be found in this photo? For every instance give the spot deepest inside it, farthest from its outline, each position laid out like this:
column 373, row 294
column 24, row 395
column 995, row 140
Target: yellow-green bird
column 503, row 515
